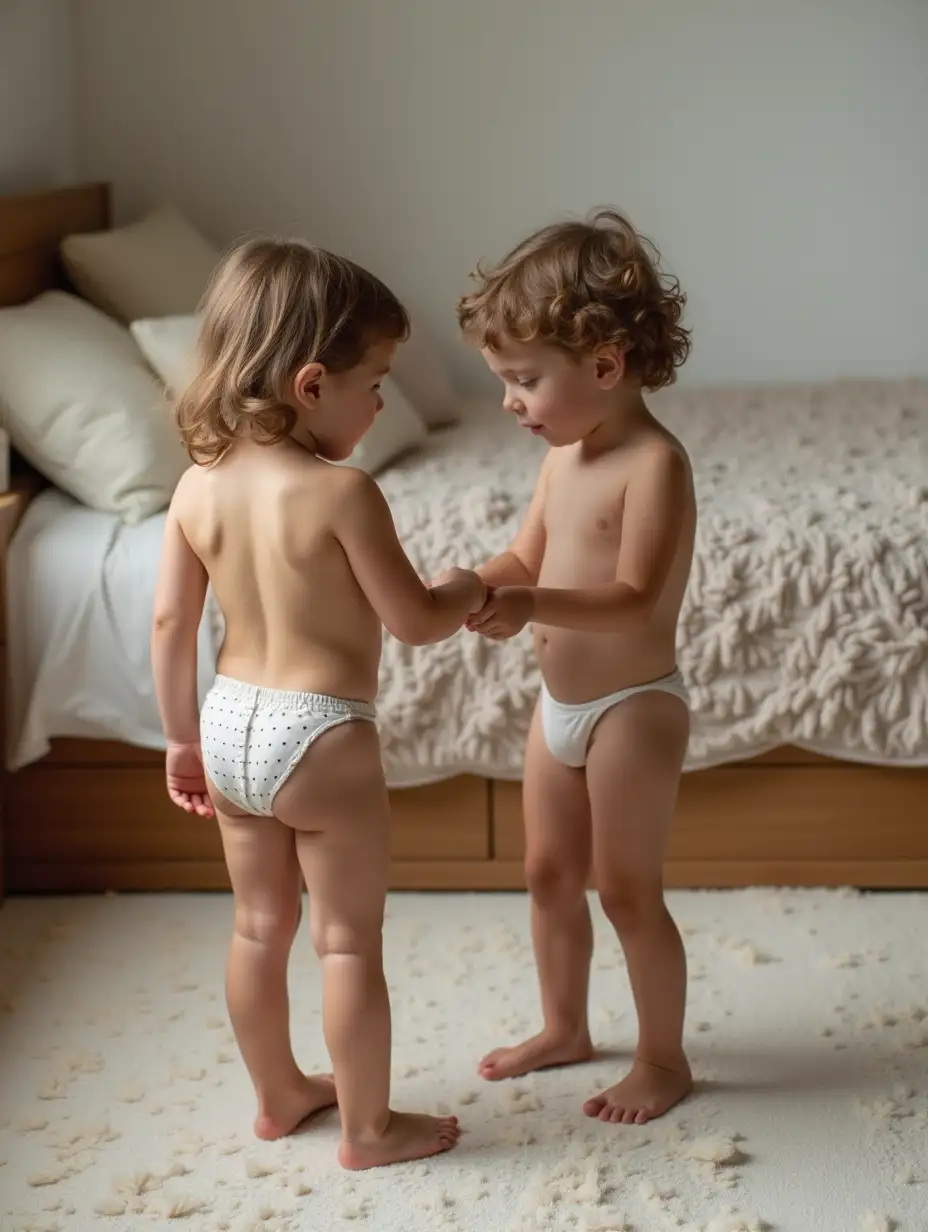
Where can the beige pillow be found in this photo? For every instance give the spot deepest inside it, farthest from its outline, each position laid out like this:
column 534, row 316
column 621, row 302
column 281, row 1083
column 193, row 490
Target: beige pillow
column 156, row 267
column 80, row 404
column 168, row 345
column 160, row 267
column 420, row 373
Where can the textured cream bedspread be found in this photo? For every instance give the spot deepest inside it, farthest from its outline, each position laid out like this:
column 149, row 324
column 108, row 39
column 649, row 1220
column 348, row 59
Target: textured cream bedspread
column 806, row 620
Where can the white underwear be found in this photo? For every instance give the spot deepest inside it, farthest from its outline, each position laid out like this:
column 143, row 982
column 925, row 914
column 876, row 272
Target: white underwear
column 568, row 729
column 253, row 738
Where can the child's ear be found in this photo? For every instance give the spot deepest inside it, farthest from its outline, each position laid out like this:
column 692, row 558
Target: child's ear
column 307, row 384
column 609, row 366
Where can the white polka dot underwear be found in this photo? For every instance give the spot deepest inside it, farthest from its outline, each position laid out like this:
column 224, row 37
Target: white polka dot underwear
column 253, row 738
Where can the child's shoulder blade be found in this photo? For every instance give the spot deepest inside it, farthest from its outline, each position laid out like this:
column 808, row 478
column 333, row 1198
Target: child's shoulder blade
column 352, row 487
column 186, row 489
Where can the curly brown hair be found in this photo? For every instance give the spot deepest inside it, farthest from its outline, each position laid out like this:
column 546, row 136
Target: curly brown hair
column 271, row 307
column 579, row 286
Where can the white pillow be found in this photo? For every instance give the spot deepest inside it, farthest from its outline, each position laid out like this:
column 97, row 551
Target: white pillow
column 168, row 345
column 80, row 405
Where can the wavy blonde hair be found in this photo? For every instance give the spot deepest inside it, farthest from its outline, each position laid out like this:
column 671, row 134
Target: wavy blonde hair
column 579, row 286
column 271, row 307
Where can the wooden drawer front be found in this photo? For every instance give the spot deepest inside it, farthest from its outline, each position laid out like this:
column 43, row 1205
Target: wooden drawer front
column 506, row 810
column 776, row 813
column 105, row 813
column 445, row 821
column 100, row 814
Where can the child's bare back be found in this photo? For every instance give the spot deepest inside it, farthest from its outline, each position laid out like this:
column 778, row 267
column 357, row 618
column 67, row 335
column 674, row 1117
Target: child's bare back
column 264, row 522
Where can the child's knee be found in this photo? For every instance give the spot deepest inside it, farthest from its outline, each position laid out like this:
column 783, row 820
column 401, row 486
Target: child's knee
column 272, row 927
column 360, row 938
column 631, row 902
column 554, row 882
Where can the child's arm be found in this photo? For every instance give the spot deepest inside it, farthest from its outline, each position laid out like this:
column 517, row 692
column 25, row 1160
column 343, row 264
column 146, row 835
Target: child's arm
column 179, row 599
column 407, row 608
column 653, row 516
column 521, row 564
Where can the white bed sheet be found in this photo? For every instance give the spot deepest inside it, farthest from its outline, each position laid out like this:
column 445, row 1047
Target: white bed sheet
column 80, row 597
column 806, row 621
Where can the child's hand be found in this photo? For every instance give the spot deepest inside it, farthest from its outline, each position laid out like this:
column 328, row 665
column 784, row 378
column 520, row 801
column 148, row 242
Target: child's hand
column 506, row 612
column 187, row 779
column 471, row 582
column 476, row 585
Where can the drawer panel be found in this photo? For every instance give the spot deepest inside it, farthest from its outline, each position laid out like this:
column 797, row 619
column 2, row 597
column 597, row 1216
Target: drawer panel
column 764, row 812
column 102, row 813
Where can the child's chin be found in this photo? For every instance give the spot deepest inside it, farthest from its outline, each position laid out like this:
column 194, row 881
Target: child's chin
column 554, row 438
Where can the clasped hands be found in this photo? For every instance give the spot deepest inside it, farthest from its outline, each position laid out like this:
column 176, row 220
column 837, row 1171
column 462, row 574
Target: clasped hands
column 505, row 611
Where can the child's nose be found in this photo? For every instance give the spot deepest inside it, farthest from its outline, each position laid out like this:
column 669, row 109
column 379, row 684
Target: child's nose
column 512, row 402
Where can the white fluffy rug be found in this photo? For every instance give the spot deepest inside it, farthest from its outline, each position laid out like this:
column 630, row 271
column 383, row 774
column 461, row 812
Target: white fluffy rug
column 124, row 1105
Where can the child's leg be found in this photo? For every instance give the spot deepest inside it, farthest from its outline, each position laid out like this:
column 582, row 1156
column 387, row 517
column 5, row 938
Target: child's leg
column 557, row 866
column 633, row 774
column 261, row 858
column 337, row 802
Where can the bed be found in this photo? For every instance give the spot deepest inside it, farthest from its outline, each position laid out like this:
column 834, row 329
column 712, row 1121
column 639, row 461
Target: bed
column 804, row 640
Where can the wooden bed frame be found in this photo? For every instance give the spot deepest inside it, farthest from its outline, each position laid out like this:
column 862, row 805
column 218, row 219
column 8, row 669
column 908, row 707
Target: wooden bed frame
column 94, row 815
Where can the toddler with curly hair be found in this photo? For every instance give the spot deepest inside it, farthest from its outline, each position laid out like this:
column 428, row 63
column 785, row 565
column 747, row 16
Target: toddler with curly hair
column 578, row 322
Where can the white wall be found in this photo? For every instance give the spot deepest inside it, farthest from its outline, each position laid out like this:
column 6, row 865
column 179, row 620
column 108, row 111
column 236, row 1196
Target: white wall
column 37, row 94
column 778, row 152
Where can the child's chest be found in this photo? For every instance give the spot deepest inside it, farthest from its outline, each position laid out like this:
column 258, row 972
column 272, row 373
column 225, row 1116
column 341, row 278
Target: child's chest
column 584, row 510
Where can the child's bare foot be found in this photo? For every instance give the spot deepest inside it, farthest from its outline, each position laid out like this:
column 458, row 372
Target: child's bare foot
column 542, row 1051
column 647, row 1092
column 288, row 1110
column 408, row 1136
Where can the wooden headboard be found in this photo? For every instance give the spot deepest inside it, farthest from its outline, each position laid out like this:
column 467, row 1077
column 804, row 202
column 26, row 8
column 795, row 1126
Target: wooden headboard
column 31, row 230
